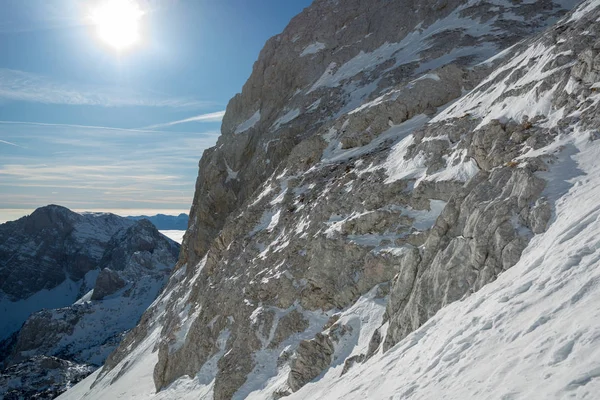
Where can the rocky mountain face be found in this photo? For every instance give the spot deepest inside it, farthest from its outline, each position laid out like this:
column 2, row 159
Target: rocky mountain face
column 112, row 269
column 384, row 160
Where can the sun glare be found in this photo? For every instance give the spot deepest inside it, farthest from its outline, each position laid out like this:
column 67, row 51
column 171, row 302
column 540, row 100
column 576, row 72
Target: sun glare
column 118, row 22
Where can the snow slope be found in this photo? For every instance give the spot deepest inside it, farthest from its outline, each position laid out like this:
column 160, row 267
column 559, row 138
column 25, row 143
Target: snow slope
column 174, row 235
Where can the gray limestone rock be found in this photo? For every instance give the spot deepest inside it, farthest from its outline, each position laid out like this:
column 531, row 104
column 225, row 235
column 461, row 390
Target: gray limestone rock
column 311, row 358
column 107, row 283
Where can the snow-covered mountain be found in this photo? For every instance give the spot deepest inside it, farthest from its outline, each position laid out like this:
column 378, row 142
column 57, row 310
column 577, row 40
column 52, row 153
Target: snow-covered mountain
column 402, row 204
column 166, row 222
column 49, row 259
column 124, row 265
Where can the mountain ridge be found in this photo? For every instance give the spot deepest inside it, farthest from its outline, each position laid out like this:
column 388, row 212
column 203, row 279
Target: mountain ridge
column 165, row 222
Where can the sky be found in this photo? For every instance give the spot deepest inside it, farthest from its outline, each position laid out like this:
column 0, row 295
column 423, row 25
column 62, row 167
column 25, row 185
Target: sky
column 96, row 126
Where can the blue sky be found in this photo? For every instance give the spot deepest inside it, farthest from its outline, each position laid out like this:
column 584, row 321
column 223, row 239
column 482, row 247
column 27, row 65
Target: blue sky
column 92, row 128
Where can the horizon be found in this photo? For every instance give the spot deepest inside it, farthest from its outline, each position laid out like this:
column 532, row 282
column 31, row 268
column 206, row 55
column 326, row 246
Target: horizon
column 13, row 214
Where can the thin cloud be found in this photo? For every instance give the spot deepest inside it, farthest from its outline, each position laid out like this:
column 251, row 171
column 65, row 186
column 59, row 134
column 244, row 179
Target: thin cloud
column 18, row 85
column 210, row 117
column 100, row 130
column 12, row 144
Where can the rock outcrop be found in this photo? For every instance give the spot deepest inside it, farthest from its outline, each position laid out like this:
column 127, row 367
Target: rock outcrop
column 107, row 283
column 376, row 167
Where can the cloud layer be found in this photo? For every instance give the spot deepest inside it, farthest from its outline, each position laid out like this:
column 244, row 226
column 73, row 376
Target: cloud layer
column 98, row 168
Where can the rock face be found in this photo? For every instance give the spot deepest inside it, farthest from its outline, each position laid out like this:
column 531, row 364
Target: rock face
column 126, row 278
column 350, row 197
column 331, row 59
column 107, row 283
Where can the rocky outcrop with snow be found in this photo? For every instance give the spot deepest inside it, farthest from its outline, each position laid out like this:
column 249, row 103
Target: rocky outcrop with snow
column 354, row 195
column 40, row 378
column 49, row 259
column 122, row 281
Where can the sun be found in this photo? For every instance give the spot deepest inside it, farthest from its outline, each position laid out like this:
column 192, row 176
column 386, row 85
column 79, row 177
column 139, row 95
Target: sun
column 118, row 23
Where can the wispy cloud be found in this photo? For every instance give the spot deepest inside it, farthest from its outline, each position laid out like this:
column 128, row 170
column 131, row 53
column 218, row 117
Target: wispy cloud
column 210, row 117
column 10, row 143
column 95, row 167
column 18, row 85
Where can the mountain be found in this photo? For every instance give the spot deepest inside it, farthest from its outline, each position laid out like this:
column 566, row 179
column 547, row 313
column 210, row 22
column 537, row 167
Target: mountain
column 166, row 222
column 112, row 269
column 402, row 204
column 49, row 259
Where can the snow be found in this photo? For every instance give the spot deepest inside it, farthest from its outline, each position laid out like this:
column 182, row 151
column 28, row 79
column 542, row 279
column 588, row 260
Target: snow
column 287, row 117
column 136, row 376
column 15, row 313
column 583, row 9
column 174, row 235
column 492, row 104
column 399, row 168
column 106, row 318
column 314, row 105
column 274, row 221
column 532, row 333
column 249, row 123
column 267, row 220
column 364, row 317
column 334, row 152
column 312, row 49
column 408, row 49
column 501, row 55
column 424, row 219
column 462, row 172
column 231, row 174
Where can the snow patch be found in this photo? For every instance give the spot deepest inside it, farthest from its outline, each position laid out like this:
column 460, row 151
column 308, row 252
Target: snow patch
column 249, row 123
column 312, row 49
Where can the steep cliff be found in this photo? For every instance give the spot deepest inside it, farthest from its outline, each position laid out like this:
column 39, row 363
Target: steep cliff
column 384, row 160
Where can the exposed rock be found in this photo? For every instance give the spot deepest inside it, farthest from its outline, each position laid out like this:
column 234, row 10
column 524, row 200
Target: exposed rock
column 311, row 358
column 107, row 283
column 50, row 247
column 293, row 322
column 350, row 361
